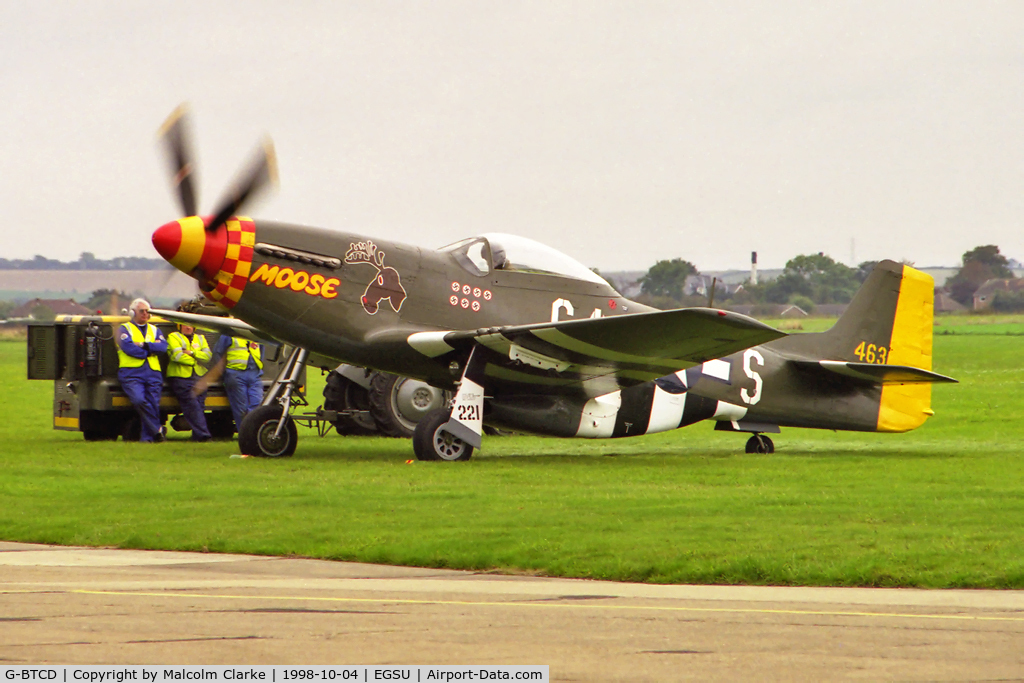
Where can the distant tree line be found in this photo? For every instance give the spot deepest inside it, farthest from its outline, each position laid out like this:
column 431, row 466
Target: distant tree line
column 87, row 261
column 807, row 280
column 812, row 279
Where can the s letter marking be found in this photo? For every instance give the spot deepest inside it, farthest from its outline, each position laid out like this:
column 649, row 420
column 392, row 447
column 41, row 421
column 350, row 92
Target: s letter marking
column 750, row 357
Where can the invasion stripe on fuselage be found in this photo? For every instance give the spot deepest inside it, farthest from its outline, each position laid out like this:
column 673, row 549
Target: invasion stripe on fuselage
column 666, row 409
column 648, row 409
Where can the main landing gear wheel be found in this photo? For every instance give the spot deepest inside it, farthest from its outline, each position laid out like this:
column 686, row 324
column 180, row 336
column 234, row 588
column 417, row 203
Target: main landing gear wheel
column 398, row 404
column 256, row 436
column 761, row 444
column 432, row 441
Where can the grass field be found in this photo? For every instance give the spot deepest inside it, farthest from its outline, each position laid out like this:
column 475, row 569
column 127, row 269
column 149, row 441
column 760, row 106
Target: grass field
column 940, row 507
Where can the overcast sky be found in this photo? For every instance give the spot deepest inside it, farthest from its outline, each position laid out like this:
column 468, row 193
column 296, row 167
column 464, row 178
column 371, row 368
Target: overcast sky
column 619, row 133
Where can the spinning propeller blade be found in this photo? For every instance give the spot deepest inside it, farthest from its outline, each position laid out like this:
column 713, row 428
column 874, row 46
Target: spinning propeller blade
column 176, row 139
column 192, row 244
column 261, row 173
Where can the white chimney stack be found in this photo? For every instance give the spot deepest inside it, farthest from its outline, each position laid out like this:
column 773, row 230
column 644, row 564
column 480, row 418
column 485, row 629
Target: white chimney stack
column 753, row 267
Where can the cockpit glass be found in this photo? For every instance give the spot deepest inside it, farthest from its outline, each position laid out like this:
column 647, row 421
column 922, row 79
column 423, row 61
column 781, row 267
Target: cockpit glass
column 473, row 254
column 512, row 252
column 501, row 251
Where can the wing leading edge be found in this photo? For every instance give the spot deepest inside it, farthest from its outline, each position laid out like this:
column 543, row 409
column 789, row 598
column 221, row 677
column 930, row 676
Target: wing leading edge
column 216, row 323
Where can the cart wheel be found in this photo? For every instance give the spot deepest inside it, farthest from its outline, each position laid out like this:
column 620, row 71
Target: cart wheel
column 99, row 426
column 221, row 424
column 99, row 435
column 256, row 437
column 341, row 393
column 131, row 428
column 399, row 403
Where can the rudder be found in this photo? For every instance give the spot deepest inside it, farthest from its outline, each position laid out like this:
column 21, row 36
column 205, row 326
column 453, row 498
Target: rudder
column 906, row 406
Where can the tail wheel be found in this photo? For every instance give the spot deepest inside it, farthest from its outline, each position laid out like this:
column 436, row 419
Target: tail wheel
column 432, row 441
column 398, row 404
column 760, row 444
column 341, row 393
column 256, row 436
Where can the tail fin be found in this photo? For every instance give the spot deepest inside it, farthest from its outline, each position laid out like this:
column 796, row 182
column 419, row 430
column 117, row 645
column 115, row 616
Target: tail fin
column 889, row 322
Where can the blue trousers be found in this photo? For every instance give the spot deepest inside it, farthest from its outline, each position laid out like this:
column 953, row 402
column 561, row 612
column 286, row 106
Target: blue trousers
column 245, row 392
column 143, row 387
column 191, row 406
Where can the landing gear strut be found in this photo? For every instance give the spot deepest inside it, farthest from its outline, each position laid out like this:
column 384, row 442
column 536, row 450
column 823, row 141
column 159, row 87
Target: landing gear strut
column 269, row 431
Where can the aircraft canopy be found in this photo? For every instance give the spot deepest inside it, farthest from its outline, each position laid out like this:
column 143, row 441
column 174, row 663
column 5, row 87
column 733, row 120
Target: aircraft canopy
column 502, row 251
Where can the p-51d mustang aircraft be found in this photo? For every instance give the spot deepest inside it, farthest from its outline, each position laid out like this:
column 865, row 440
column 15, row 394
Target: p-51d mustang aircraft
column 530, row 340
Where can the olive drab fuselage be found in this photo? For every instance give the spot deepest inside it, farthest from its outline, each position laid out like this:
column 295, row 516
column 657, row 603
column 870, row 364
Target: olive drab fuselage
column 440, row 294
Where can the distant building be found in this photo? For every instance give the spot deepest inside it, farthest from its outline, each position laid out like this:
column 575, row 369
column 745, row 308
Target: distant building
column 58, row 306
column 984, row 294
column 944, row 303
column 793, row 311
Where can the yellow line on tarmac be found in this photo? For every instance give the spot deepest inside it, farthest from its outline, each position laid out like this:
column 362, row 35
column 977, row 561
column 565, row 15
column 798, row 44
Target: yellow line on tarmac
column 472, row 603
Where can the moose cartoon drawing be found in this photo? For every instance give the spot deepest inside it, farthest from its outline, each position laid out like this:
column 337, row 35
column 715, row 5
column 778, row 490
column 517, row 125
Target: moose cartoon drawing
column 386, row 285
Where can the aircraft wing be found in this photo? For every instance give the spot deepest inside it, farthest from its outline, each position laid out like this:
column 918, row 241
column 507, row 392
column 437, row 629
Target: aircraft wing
column 877, row 374
column 595, row 356
column 216, row 323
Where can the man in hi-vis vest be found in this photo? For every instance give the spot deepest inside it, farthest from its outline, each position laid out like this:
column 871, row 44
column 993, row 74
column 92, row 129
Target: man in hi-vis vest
column 138, row 342
column 187, row 354
column 243, row 374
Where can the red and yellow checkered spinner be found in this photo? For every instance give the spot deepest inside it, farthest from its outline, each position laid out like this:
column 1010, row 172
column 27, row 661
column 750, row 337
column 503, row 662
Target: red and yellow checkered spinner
column 219, row 259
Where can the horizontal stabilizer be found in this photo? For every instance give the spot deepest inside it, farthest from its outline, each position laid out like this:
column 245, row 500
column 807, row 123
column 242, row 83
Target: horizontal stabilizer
column 877, row 374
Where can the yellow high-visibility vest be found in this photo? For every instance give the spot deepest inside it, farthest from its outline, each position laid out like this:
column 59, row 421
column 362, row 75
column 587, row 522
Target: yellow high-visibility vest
column 239, row 352
column 186, row 357
column 127, row 361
